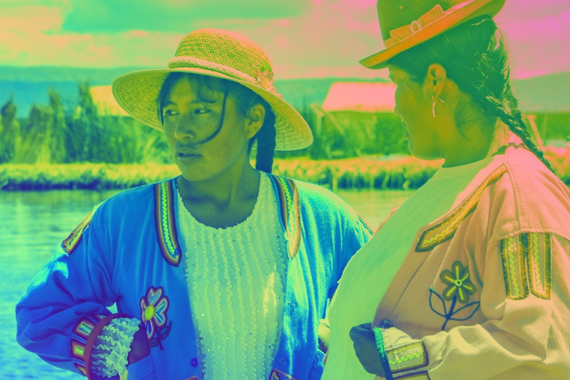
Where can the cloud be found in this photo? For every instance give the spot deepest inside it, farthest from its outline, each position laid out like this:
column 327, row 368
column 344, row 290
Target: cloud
column 328, row 39
column 170, row 15
column 533, row 9
column 32, row 35
column 304, row 38
column 538, row 36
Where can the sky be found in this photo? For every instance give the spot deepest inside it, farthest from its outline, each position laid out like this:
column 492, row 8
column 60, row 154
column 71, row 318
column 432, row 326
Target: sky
column 304, row 38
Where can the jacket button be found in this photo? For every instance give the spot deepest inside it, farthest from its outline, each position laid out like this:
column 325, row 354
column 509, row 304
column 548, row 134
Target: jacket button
column 194, row 362
column 385, row 324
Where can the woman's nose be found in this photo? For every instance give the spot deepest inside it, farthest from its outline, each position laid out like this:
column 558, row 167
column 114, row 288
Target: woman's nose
column 184, row 128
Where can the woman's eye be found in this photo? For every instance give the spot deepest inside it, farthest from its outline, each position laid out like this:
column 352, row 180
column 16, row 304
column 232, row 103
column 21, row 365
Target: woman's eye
column 200, row 111
column 170, row 113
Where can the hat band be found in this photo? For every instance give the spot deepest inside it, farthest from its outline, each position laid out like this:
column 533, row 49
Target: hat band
column 264, row 77
column 406, row 31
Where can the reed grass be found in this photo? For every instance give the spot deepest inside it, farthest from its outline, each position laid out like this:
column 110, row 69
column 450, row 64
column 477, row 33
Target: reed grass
column 397, row 173
column 95, row 176
column 402, row 173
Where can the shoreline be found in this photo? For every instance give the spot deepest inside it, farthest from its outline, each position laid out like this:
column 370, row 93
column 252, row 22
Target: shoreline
column 355, row 173
column 400, row 173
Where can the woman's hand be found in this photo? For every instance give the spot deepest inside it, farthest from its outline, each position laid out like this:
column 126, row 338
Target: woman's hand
column 140, row 347
column 324, row 332
column 364, row 344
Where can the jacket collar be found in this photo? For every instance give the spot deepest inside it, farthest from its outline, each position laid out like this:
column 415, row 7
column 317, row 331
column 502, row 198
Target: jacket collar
column 289, row 209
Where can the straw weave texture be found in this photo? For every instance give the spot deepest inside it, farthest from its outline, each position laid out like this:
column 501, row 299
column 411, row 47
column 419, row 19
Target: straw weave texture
column 221, row 54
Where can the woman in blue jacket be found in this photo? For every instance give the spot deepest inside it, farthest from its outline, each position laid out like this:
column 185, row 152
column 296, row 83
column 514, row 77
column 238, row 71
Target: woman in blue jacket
column 222, row 272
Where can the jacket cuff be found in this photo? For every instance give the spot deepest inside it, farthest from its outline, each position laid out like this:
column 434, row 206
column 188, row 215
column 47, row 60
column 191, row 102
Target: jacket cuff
column 407, row 359
column 84, row 335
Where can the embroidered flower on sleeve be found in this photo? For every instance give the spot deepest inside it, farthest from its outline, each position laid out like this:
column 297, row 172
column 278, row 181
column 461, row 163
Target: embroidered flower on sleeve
column 153, row 310
column 459, row 288
column 459, row 283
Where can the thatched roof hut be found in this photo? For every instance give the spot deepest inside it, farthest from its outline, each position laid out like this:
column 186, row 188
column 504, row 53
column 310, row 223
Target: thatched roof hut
column 361, row 97
column 356, row 119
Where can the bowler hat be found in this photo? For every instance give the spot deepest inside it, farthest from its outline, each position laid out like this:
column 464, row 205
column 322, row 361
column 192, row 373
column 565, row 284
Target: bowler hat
column 407, row 23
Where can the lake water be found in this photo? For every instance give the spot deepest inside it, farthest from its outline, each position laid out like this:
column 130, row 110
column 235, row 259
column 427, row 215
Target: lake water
column 32, row 223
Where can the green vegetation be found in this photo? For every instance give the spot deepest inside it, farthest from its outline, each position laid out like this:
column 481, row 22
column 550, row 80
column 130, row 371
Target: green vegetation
column 54, row 134
column 403, row 173
column 399, row 174
column 83, row 133
column 96, row 176
column 82, row 147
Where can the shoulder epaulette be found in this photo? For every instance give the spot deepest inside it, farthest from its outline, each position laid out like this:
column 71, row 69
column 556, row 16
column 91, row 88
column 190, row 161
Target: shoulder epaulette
column 72, row 241
column 290, row 208
column 446, row 229
column 165, row 222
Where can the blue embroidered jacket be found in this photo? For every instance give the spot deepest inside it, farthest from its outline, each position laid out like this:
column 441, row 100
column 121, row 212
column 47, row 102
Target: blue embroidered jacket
column 127, row 252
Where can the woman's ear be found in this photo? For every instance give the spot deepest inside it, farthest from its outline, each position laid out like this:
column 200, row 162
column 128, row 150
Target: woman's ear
column 435, row 81
column 254, row 120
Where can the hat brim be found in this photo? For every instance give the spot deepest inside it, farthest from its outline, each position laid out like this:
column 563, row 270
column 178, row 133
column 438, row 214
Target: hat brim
column 137, row 93
column 469, row 11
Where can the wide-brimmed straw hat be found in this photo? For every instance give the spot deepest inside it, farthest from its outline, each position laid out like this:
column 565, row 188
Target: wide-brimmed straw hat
column 221, row 54
column 407, row 23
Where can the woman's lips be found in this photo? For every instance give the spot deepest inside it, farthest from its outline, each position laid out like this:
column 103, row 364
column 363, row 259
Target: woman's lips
column 187, row 154
column 182, row 154
column 184, row 150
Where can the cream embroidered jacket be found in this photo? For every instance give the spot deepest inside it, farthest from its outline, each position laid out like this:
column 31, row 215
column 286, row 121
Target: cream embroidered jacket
column 485, row 289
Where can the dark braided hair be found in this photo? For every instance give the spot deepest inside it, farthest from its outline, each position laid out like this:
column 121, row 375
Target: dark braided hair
column 266, row 142
column 245, row 99
column 475, row 57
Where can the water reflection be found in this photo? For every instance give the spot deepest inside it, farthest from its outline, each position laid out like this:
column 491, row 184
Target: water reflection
column 32, row 223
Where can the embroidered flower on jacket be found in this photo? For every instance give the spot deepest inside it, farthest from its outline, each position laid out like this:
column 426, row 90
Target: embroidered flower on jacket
column 153, row 310
column 459, row 288
column 459, row 283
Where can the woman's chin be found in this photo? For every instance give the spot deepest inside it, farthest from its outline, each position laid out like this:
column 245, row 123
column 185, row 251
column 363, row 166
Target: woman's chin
column 422, row 154
column 192, row 174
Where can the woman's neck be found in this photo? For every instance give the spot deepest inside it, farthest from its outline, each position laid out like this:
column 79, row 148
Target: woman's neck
column 467, row 144
column 223, row 189
column 224, row 200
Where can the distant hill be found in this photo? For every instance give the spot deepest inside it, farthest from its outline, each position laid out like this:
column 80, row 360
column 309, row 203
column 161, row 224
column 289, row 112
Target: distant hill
column 548, row 93
column 54, row 74
column 29, row 85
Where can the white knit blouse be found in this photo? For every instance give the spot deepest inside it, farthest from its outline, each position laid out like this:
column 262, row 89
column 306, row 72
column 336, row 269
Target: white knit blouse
column 236, row 278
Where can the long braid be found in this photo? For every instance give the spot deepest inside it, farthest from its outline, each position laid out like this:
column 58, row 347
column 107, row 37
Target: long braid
column 266, row 142
column 490, row 86
column 507, row 110
column 516, row 124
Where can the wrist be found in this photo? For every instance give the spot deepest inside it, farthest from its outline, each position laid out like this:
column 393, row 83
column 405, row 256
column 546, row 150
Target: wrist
column 387, row 373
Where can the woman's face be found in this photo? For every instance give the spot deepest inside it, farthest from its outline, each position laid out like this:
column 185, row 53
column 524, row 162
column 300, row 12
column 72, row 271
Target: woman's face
column 206, row 134
column 415, row 109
